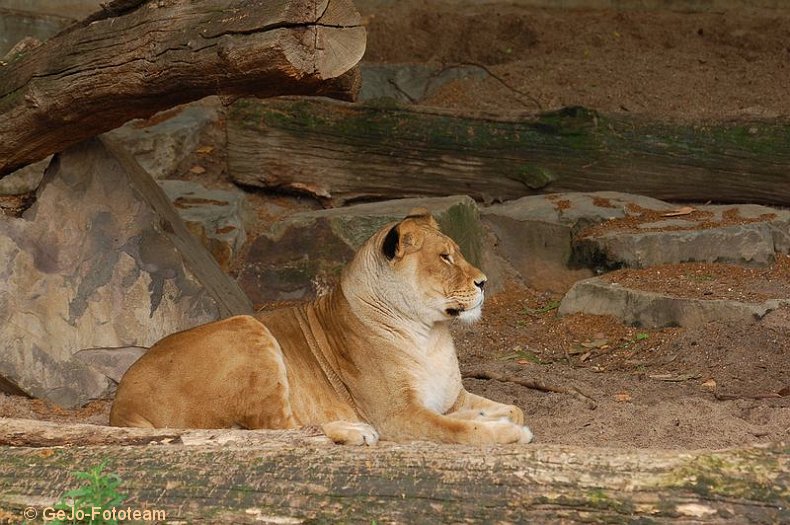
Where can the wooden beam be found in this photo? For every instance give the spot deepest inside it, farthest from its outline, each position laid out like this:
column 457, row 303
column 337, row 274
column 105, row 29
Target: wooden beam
column 340, row 152
column 138, row 57
column 297, row 476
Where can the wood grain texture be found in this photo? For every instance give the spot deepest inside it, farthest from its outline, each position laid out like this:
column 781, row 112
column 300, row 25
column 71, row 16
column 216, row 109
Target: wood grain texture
column 340, row 152
column 136, row 58
column 253, row 476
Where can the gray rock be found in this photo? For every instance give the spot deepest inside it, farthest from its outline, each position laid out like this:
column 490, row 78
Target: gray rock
column 410, row 83
column 19, row 24
column 755, row 243
column 536, row 234
column 216, row 217
column 24, row 180
column 111, row 362
column 653, row 310
column 162, row 148
column 574, row 209
column 305, row 252
column 101, row 260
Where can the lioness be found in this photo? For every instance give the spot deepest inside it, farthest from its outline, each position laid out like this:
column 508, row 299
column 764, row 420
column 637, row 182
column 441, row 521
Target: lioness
column 373, row 358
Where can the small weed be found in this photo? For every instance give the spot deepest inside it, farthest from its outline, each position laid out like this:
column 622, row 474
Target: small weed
column 100, row 492
column 704, row 277
column 521, row 355
column 548, row 307
column 641, row 336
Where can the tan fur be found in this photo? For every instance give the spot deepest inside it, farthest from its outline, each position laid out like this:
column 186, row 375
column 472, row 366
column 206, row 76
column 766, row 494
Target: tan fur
column 372, row 358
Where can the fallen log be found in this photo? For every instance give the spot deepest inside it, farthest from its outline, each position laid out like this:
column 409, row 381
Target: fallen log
column 340, row 152
column 297, row 476
column 137, row 57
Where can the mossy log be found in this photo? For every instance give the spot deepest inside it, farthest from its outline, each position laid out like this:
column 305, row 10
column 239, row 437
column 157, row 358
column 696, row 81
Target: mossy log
column 342, row 152
column 137, row 57
column 297, row 477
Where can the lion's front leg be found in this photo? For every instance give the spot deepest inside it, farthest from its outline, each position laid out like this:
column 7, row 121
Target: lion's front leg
column 471, row 406
column 350, row 433
column 420, row 423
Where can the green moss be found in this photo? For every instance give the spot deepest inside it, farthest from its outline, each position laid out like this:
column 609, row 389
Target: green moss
column 402, row 127
column 747, row 476
column 383, row 103
column 534, row 176
column 616, row 509
column 461, row 223
column 703, row 145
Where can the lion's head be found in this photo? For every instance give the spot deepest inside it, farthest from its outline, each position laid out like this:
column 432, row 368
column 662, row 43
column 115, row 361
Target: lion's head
column 413, row 270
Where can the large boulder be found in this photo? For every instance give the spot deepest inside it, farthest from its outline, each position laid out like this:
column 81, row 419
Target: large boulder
column 101, row 260
column 304, row 253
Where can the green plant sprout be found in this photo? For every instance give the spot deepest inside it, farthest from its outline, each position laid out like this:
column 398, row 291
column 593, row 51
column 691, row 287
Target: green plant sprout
column 548, row 307
column 100, row 492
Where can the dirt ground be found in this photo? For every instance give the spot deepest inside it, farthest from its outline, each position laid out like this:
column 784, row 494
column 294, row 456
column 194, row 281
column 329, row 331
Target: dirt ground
column 590, row 380
column 683, row 66
column 714, row 386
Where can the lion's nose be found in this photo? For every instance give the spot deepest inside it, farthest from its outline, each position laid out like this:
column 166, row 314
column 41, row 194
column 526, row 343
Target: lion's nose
column 480, row 283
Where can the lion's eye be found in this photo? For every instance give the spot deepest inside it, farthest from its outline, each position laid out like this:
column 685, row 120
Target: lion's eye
column 446, row 257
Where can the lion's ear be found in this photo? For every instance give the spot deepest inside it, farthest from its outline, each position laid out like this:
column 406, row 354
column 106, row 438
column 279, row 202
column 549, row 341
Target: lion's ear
column 423, row 215
column 418, row 212
column 403, row 238
column 391, row 242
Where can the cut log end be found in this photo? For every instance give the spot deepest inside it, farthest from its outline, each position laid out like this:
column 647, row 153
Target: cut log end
column 338, row 50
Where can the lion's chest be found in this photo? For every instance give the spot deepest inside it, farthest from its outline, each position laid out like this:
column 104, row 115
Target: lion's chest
column 437, row 378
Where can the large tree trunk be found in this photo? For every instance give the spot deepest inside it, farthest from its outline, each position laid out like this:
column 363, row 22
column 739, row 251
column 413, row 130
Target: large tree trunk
column 139, row 57
column 295, row 476
column 341, row 152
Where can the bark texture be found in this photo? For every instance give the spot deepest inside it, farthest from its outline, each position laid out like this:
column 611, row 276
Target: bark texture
column 297, row 476
column 339, row 152
column 138, row 57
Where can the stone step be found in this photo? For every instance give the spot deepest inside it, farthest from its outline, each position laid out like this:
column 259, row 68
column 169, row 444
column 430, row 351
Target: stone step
column 658, row 310
column 555, row 240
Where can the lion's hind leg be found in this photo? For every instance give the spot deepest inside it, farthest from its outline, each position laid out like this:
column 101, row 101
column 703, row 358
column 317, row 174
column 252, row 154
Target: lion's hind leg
column 262, row 382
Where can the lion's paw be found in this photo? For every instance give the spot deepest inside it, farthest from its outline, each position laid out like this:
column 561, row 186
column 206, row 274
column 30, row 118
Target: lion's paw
column 526, row 435
column 351, row 433
column 506, row 432
column 504, row 412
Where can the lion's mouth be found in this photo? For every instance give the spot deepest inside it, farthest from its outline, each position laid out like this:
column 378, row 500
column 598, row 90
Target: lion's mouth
column 459, row 310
